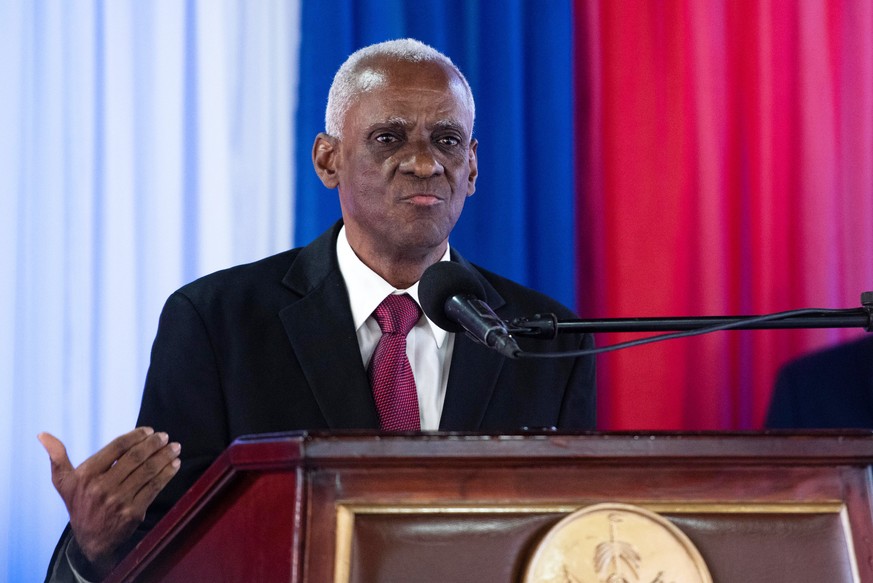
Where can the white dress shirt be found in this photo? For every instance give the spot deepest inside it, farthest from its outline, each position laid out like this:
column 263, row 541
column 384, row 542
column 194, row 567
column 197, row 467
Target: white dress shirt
column 428, row 346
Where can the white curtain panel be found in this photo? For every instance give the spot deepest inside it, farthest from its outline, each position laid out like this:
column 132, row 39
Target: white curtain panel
column 142, row 144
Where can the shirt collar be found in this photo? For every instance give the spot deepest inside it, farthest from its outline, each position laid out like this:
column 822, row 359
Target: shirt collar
column 367, row 289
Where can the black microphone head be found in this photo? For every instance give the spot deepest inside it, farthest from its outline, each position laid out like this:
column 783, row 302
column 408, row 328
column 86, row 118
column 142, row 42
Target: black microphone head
column 441, row 281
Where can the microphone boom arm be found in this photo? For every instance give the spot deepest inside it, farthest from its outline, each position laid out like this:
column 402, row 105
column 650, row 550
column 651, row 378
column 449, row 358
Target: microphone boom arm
column 547, row 326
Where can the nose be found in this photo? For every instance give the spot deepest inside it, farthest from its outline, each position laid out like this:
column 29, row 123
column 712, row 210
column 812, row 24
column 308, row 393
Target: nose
column 421, row 162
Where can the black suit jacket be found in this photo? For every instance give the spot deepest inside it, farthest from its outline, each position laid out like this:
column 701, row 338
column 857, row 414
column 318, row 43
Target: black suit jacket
column 828, row 389
column 271, row 346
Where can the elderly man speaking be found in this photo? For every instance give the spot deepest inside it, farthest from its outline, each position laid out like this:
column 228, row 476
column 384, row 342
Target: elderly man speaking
column 329, row 336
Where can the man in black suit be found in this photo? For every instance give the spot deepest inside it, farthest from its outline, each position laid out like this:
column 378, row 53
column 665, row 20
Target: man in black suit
column 828, row 389
column 283, row 344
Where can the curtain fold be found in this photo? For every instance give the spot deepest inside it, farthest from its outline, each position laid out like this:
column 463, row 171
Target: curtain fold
column 726, row 151
column 143, row 144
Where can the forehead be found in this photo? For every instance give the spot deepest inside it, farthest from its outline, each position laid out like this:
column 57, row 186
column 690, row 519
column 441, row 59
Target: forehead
column 392, row 88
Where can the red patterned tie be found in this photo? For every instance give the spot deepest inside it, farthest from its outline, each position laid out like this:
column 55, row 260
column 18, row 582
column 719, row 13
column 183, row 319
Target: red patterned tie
column 390, row 373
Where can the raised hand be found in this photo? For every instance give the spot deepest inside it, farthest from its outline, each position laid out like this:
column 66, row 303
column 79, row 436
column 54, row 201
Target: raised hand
column 107, row 495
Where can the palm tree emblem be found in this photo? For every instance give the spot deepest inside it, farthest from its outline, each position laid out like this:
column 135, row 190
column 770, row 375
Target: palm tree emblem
column 615, row 560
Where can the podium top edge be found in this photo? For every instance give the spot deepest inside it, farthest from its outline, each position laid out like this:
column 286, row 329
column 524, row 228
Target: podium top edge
column 317, row 447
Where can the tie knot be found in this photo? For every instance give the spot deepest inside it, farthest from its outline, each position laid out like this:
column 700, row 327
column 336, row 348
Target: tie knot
column 397, row 314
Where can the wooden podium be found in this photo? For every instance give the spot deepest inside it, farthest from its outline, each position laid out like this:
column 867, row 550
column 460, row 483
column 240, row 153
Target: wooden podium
column 357, row 507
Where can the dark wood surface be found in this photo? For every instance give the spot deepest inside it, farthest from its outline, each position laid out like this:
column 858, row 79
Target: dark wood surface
column 458, row 507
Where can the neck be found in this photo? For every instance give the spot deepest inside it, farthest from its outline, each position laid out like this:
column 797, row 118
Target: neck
column 401, row 269
column 402, row 273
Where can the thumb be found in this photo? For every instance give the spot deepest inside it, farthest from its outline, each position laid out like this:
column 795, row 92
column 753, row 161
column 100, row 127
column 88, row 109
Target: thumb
column 57, row 453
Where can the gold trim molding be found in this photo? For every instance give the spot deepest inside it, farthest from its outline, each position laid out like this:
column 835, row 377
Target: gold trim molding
column 346, row 513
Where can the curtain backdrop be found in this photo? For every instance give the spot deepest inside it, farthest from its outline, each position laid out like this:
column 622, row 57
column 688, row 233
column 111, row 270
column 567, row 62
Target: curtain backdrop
column 517, row 56
column 725, row 167
column 149, row 143
column 678, row 157
column 142, row 144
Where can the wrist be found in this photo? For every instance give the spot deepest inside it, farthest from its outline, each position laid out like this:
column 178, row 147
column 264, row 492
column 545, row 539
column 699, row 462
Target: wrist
column 95, row 570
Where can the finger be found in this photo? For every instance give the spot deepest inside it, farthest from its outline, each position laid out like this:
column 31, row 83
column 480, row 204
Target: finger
column 149, row 469
column 104, row 459
column 57, row 453
column 110, row 511
column 150, row 489
column 137, row 456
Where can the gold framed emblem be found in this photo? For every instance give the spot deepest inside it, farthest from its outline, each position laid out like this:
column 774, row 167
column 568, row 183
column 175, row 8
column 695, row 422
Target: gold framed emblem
column 616, row 543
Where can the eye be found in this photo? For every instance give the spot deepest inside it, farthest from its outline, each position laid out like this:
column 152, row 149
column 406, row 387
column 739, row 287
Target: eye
column 448, row 141
column 386, row 138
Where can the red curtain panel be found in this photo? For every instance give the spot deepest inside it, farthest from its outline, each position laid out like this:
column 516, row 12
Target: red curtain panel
column 724, row 166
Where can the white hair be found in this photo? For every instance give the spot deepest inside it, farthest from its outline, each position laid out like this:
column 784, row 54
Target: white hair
column 350, row 80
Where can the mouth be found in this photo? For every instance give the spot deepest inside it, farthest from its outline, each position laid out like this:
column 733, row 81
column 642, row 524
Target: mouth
column 423, row 199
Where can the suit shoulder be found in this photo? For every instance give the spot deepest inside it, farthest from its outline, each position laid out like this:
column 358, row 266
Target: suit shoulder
column 259, row 276
column 516, row 294
column 848, row 356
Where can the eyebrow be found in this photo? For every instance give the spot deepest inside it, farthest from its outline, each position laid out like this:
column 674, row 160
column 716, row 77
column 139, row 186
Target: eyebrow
column 449, row 124
column 397, row 121
column 403, row 123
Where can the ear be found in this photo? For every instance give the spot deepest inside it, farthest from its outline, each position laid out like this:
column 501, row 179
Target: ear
column 324, row 158
column 473, row 163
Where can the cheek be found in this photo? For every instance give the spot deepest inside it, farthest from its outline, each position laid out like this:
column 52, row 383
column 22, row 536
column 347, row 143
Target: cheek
column 361, row 183
column 370, row 178
column 458, row 203
column 460, row 179
column 368, row 190
column 363, row 167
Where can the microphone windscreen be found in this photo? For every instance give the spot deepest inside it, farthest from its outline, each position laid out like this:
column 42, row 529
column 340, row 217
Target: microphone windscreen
column 441, row 281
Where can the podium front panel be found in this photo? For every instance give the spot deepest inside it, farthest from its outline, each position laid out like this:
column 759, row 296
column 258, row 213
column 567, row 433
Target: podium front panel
column 481, row 523
column 354, row 508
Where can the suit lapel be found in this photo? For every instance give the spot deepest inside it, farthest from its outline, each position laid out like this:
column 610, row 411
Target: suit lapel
column 474, row 371
column 320, row 328
column 320, row 323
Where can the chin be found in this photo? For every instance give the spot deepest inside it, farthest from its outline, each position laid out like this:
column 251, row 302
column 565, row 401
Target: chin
column 424, row 240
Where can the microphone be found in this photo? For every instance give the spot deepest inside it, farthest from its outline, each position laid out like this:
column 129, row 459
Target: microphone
column 453, row 299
